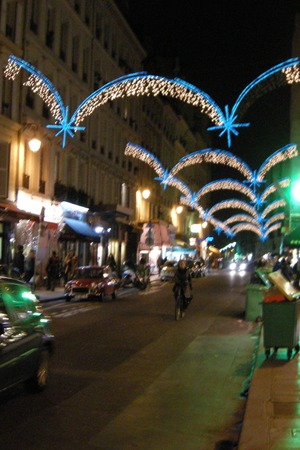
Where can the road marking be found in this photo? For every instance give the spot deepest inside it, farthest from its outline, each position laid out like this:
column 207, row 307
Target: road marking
column 75, row 310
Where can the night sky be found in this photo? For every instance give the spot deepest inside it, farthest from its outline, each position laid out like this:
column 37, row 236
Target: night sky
column 221, row 46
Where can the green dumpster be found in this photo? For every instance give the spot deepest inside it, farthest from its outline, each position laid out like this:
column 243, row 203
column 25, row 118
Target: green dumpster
column 254, row 298
column 280, row 326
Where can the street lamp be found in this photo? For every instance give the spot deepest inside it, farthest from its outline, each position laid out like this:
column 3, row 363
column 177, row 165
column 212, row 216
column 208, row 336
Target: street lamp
column 146, row 194
column 31, row 133
column 34, row 144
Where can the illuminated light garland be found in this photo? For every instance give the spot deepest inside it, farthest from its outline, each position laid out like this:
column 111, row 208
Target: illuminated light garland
column 147, row 157
column 274, row 205
column 234, row 204
column 194, row 205
column 275, row 227
column 275, row 218
column 141, row 83
column 287, row 152
column 215, row 157
column 292, row 74
column 279, row 75
column 39, row 82
column 246, row 226
column 284, row 183
column 241, row 218
column 218, row 225
column 254, row 178
column 227, row 184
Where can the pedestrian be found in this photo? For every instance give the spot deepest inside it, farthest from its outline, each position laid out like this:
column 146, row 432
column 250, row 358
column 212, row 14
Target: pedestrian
column 52, row 271
column 68, row 270
column 159, row 263
column 29, row 266
column 18, row 262
column 111, row 262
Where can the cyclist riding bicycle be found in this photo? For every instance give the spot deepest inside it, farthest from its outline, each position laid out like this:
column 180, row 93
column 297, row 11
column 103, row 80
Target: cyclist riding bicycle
column 182, row 279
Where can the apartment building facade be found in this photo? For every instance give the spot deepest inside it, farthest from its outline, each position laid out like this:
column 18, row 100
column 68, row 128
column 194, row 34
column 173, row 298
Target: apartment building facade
column 55, row 198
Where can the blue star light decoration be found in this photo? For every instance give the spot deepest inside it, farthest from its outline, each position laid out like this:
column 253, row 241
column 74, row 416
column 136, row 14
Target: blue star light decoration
column 142, row 83
column 65, row 127
column 229, row 126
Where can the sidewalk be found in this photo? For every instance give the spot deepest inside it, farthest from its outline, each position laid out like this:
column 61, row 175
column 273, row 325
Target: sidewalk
column 48, row 296
column 45, row 295
column 272, row 418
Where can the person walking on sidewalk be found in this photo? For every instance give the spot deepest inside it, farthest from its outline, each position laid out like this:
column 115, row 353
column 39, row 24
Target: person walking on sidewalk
column 52, row 271
column 18, row 262
column 30, row 268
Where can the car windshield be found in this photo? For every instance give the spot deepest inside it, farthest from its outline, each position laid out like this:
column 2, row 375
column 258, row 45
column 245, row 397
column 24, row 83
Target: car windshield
column 170, row 263
column 88, row 272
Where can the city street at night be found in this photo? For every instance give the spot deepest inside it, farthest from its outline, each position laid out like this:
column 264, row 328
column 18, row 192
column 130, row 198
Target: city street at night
column 126, row 375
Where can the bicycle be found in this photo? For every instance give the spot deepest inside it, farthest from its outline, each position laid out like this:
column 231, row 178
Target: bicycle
column 180, row 303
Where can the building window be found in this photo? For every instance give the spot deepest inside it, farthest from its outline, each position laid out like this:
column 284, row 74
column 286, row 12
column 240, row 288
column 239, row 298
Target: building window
column 4, row 167
column 26, row 179
column 29, row 99
column 50, row 28
column 10, row 29
column 63, row 41
column 86, row 64
column 75, row 53
column 34, row 16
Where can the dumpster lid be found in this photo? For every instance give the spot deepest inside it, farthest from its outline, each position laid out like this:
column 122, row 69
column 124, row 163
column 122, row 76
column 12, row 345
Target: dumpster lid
column 263, row 277
column 284, row 286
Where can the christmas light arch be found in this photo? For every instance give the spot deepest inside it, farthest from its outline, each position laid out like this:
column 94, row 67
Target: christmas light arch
column 142, row 83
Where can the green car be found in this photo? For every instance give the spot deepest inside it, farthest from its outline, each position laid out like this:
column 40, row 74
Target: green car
column 26, row 341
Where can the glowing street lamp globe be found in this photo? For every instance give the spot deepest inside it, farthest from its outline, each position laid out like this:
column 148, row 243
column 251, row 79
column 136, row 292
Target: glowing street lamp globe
column 295, row 191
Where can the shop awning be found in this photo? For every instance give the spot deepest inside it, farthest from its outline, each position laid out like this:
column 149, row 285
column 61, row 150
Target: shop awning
column 156, row 235
column 10, row 212
column 82, row 229
column 292, row 239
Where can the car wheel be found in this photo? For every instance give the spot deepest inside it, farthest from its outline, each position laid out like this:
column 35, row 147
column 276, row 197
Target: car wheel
column 39, row 380
column 67, row 298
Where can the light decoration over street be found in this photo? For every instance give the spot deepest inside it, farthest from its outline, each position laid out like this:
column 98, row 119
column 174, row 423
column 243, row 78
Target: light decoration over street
column 255, row 217
column 273, row 219
column 144, row 84
column 240, row 218
column 234, row 204
column 284, row 183
column 274, row 205
column 226, row 184
column 246, row 226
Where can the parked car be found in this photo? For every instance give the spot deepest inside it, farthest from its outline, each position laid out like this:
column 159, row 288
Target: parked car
column 197, row 268
column 92, row 282
column 168, row 270
column 26, row 340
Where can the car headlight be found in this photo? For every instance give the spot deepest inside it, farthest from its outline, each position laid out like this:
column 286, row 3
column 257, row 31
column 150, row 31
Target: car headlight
column 68, row 288
column 232, row 266
column 243, row 266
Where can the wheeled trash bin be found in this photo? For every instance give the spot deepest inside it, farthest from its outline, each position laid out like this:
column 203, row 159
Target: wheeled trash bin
column 255, row 294
column 254, row 298
column 280, row 326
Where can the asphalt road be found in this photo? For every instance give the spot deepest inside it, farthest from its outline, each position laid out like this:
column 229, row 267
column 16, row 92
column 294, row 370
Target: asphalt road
column 111, row 361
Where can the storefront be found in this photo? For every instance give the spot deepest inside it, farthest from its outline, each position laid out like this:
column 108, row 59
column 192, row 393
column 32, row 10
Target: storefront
column 155, row 242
